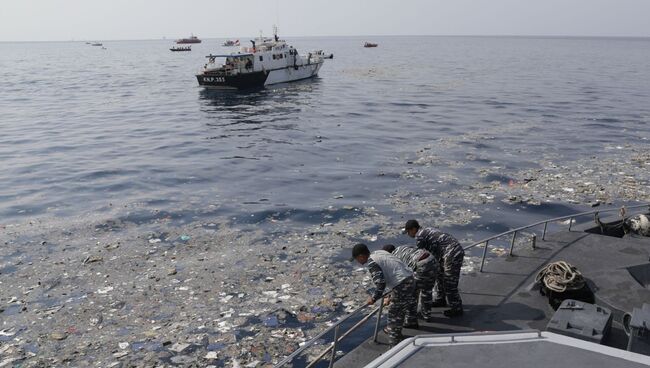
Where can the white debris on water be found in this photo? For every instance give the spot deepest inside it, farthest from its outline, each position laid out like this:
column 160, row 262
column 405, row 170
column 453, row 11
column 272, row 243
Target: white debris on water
column 8, row 332
column 211, row 355
column 179, row 347
column 498, row 251
column 105, row 290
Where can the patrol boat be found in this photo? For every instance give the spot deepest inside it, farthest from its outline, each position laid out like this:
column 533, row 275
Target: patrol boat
column 186, row 48
column 191, row 39
column 231, row 43
column 508, row 321
column 268, row 61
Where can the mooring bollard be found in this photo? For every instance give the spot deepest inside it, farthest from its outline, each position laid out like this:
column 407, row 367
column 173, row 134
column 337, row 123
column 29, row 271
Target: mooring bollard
column 534, row 240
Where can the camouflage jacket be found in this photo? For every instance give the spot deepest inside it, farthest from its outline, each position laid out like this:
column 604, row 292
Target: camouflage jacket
column 436, row 242
column 409, row 255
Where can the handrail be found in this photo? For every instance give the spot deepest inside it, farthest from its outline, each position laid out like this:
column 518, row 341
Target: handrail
column 551, row 220
column 335, row 327
column 315, row 338
column 545, row 222
column 453, row 335
column 332, row 346
column 452, row 339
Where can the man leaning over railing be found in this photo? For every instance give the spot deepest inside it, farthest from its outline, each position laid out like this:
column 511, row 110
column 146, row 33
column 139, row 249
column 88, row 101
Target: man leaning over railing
column 388, row 272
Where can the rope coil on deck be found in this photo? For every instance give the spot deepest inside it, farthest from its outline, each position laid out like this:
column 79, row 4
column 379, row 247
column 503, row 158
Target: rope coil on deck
column 560, row 276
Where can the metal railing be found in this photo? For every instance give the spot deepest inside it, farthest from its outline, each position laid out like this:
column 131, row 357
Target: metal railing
column 514, row 232
column 454, row 336
column 334, row 344
column 537, row 334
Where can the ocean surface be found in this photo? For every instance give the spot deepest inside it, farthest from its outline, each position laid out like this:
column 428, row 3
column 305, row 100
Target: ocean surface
column 126, row 132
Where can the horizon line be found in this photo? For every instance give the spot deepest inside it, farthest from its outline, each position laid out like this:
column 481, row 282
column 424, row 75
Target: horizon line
column 347, row 36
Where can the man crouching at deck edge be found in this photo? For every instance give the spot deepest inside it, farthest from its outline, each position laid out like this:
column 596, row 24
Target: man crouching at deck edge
column 425, row 273
column 388, row 271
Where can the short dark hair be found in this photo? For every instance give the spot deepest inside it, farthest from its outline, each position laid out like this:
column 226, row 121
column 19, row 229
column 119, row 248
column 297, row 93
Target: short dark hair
column 389, row 248
column 360, row 249
column 411, row 224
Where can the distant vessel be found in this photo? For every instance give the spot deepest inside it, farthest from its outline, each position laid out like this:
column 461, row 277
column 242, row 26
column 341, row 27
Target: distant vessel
column 97, row 44
column 231, row 43
column 186, row 48
column 370, row 44
column 268, row 61
column 191, row 39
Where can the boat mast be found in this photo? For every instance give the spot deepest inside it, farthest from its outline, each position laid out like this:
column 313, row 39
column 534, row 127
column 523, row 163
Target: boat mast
column 277, row 14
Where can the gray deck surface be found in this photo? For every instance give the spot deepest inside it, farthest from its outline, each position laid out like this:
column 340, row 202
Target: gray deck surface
column 501, row 298
column 544, row 354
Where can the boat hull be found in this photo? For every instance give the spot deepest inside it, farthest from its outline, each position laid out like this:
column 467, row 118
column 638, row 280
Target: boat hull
column 258, row 79
column 239, row 81
column 292, row 74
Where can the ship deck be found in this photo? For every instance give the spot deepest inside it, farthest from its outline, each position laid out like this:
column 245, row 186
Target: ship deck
column 501, row 298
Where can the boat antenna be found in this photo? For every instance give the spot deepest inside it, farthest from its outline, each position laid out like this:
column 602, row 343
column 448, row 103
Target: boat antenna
column 277, row 15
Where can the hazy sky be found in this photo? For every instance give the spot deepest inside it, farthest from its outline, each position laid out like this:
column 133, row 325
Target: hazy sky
column 36, row 20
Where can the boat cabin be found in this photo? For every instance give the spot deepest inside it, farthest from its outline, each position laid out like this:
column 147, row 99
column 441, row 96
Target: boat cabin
column 233, row 64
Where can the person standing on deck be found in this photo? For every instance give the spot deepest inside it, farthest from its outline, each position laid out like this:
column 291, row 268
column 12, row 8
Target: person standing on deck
column 450, row 255
column 388, row 272
column 425, row 268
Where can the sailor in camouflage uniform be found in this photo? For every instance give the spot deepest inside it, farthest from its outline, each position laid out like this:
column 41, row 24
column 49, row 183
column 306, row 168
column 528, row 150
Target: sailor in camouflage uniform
column 388, row 272
column 450, row 255
column 425, row 268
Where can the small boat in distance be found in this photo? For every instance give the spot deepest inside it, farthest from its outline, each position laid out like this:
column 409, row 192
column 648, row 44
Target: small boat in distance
column 370, row 44
column 185, row 48
column 97, row 44
column 192, row 39
column 231, row 43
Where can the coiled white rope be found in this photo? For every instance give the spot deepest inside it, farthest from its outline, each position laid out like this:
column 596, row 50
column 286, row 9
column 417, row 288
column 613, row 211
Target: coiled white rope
column 560, row 276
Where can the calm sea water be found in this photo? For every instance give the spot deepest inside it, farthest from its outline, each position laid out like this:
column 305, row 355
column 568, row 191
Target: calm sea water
column 85, row 130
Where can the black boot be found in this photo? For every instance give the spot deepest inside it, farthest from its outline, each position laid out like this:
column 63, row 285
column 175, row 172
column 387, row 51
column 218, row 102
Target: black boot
column 426, row 317
column 413, row 326
column 454, row 312
column 394, row 340
column 439, row 303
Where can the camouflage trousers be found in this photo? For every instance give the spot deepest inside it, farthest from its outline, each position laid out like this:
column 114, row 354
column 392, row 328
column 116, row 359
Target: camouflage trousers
column 446, row 285
column 425, row 278
column 402, row 309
